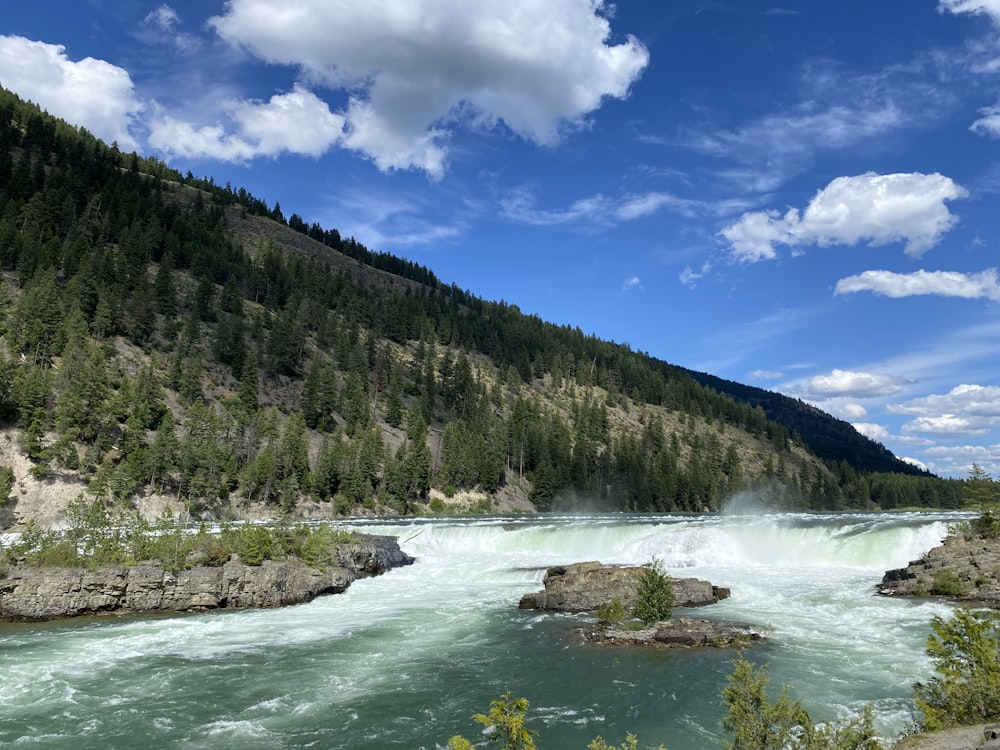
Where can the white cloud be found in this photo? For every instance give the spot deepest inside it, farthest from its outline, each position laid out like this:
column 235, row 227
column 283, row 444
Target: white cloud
column 416, row 67
column 297, row 122
column 946, row 424
column 166, row 20
column 965, row 410
column 870, row 207
column 688, row 276
column 632, row 283
column 800, row 132
column 852, row 411
column 969, row 399
column 989, row 123
column 915, row 462
column 957, row 460
column 873, row 431
column 388, row 222
column 983, row 285
column 90, row 93
column 164, row 17
column 765, row 374
column 834, row 111
column 987, row 7
column 850, row 384
column 597, row 210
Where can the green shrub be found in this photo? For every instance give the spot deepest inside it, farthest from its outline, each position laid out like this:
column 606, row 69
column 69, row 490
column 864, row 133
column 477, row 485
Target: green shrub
column 986, row 526
column 254, row 544
column 946, row 583
column 612, row 613
column 506, row 722
column 654, row 600
column 6, row 484
column 631, row 743
column 437, row 505
column 757, row 724
column 965, row 650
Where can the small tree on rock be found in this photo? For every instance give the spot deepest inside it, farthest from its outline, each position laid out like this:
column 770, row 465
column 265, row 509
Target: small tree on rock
column 654, row 600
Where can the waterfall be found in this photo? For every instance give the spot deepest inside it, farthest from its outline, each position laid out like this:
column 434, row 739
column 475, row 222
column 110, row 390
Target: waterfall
column 404, row 659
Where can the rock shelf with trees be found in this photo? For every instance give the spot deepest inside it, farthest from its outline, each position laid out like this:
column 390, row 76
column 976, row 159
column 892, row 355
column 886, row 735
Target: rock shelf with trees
column 120, row 564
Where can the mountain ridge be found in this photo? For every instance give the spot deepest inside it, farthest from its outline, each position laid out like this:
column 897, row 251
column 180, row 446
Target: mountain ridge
column 165, row 335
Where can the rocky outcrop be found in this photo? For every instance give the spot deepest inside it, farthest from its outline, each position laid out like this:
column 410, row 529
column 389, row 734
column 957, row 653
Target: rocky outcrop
column 587, row 586
column 681, row 632
column 961, row 569
column 51, row 593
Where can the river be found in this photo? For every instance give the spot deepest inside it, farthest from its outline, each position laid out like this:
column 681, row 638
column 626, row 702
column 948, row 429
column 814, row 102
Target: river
column 404, row 659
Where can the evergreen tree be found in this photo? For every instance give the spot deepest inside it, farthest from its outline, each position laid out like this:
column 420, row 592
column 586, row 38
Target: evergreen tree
column 249, row 387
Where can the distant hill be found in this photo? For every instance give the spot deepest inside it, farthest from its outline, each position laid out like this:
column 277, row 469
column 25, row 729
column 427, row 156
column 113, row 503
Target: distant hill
column 167, row 342
column 827, row 437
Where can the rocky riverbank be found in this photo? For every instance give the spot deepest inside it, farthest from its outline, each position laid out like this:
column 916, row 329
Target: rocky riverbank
column 588, row 586
column 978, row 737
column 962, row 569
column 51, row 593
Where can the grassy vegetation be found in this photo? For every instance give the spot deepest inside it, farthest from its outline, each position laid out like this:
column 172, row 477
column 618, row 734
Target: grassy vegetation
column 100, row 537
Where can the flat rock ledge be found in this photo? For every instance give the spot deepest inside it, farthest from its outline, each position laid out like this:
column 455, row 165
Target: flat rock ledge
column 681, row 632
column 587, row 586
column 960, row 569
column 32, row 594
column 976, row 737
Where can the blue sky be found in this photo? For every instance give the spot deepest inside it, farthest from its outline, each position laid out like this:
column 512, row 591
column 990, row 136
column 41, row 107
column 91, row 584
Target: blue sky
column 800, row 196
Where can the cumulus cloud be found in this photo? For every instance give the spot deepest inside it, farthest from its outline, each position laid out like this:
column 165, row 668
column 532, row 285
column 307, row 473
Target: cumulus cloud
column 990, row 8
column 852, row 411
column 873, row 431
column 966, row 409
column 632, row 283
column 297, row 122
column 879, row 209
column 850, row 384
column 90, row 93
column 416, row 68
column 983, row 285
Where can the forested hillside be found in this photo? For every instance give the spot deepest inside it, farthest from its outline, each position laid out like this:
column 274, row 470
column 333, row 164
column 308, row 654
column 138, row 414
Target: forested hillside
column 163, row 335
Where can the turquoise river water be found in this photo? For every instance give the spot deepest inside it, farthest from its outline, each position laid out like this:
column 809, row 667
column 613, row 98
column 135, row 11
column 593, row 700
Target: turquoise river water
column 404, row 659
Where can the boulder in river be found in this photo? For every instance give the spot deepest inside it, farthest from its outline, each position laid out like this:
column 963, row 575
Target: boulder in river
column 588, row 586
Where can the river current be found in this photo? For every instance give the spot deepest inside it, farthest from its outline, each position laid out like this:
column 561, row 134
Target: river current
column 403, row 660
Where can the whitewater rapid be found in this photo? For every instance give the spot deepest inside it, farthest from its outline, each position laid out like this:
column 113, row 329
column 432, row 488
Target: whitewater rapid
column 403, row 660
